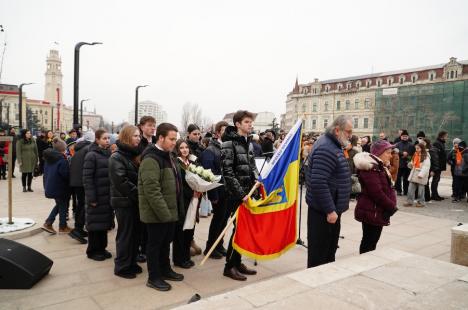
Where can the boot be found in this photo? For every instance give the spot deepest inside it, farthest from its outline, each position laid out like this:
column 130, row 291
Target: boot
column 30, row 189
column 24, row 189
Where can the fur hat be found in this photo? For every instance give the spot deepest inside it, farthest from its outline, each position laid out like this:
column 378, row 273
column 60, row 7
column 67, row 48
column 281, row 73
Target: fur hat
column 421, row 134
column 404, row 132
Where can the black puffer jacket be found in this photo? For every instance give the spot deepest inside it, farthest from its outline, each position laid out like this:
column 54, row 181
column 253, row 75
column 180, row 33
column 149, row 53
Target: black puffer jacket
column 123, row 175
column 239, row 169
column 76, row 164
column 97, row 189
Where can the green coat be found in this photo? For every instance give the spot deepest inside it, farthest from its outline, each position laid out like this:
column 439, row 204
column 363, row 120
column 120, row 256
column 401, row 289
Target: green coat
column 159, row 188
column 26, row 155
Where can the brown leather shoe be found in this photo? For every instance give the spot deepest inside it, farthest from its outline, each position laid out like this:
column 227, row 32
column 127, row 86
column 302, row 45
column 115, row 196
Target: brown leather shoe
column 65, row 230
column 234, row 274
column 244, row 270
column 49, row 228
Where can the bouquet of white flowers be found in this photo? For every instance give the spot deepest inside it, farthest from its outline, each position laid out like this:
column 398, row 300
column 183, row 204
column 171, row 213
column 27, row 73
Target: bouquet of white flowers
column 200, row 180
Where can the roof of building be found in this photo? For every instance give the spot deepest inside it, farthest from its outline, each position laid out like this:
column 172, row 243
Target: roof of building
column 386, row 73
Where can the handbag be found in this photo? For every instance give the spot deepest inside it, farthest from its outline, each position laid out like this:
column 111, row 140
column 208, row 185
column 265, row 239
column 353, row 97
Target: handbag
column 355, row 185
column 205, row 206
column 414, row 176
column 37, row 171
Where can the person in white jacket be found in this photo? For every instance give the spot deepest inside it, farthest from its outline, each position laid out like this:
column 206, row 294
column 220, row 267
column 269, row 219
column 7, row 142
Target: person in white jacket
column 420, row 165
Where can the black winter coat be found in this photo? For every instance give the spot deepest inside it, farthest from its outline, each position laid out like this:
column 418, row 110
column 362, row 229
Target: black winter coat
column 439, row 145
column 267, row 148
column 123, row 175
column 196, row 149
column 77, row 162
column 239, row 169
column 56, row 175
column 97, row 189
column 211, row 159
column 144, row 143
column 408, row 147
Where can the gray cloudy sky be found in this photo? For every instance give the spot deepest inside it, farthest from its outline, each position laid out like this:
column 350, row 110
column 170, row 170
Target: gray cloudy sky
column 223, row 55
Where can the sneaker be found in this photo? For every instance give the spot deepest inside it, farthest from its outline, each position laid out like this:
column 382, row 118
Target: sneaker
column 75, row 234
column 65, row 230
column 49, row 228
column 407, row 204
column 419, row 205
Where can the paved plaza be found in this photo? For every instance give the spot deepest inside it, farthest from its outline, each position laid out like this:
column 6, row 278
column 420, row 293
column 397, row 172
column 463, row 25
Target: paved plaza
column 77, row 282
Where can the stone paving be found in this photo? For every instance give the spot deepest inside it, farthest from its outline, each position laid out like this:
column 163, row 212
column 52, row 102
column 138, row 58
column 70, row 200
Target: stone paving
column 77, row 282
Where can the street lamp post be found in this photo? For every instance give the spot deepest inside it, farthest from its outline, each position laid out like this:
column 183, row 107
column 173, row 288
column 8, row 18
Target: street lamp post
column 76, row 80
column 136, row 103
column 20, row 104
column 81, row 111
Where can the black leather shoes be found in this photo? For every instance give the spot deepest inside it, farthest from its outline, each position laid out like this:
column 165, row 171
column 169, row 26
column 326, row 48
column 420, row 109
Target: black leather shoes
column 234, row 274
column 185, row 265
column 159, row 284
column 136, row 269
column 244, row 270
column 125, row 275
column 75, row 234
column 221, row 250
column 141, row 258
column 107, row 254
column 216, row 255
column 171, row 275
column 97, row 257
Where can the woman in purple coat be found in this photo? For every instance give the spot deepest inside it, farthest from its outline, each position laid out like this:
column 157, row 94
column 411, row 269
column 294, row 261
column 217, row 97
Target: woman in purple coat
column 377, row 201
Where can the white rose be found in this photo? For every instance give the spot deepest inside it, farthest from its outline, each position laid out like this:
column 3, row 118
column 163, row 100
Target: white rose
column 199, row 170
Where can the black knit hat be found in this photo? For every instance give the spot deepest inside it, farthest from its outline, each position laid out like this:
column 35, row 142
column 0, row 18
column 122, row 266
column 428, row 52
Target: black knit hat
column 404, row 132
column 462, row 145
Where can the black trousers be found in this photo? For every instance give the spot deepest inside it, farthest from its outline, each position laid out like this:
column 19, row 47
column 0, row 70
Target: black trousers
column 97, row 242
column 142, row 237
column 435, row 184
column 28, row 176
column 370, row 237
column 233, row 258
column 80, row 208
column 402, row 179
column 3, row 170
column 126, row 240
column 160, row 236
column 460, row 185
column 322, row 238
column 218, row 222
column 181, row 244
column 13, row 165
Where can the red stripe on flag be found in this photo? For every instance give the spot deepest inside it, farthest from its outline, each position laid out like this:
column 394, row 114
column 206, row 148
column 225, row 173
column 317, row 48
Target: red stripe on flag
column 265, row 235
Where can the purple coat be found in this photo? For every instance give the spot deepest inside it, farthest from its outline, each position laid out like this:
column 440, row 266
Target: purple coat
column 377, row 201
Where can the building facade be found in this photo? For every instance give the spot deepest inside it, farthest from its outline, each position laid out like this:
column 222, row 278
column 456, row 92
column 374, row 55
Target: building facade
column 51, row 113
column 363, row 98
column 149, row 108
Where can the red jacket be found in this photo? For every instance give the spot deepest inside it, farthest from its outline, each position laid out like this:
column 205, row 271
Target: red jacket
column 377, row 201
column 3, row 151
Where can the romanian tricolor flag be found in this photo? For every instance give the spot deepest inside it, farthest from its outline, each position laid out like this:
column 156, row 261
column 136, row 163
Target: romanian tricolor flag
column 266, row 228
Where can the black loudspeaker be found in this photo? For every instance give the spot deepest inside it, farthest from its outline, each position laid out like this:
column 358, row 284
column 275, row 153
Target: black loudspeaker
column 20, row 266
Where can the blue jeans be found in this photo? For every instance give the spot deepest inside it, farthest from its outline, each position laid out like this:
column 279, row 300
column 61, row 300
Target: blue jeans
column 61, row 208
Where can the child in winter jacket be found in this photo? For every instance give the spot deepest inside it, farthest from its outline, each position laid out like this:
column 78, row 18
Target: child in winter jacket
column 460, row 172
column 420, row 166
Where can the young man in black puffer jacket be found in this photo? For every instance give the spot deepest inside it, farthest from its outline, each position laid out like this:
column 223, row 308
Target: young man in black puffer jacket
column 211, row 159
column 240, row 174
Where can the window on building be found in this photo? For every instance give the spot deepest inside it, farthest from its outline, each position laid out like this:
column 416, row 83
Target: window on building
column 431, row 77
column 356, row 104
column 338, row 105
column 326, row 106
column 348, row 86
column 356, row 122
column 358, row 84
column 16, row 117
column 303, row 107
column 45, row 112
column 314, row 107
column 367, row 103
column 340, row 86
column 348, row 105
column 325, row 123
column 368, row 83
column 379, row 83
column 366, row 122
column 389, row 81
column 456, row 74
column 314, row 124
column 45, row 121
column 451, row 74
column 327, row 89
column 402, row 79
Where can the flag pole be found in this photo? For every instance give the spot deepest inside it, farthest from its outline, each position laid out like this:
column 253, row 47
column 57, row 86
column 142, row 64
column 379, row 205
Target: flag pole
column 231, row 220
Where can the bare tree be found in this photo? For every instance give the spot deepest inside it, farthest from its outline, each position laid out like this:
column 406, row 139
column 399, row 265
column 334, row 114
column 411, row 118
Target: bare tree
column 191, row 114
column 206, row 124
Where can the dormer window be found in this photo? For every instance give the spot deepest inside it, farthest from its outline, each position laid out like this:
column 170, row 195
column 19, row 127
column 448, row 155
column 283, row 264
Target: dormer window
column 379, row 82
column 340, row 86
column 390, row 81
column 402, row 79
column 358, row 84
column 414, row 77
column 368, row 83
column 348, row 86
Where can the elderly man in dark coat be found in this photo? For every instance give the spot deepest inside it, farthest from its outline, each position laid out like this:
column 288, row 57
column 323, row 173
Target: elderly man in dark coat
column 328, row 182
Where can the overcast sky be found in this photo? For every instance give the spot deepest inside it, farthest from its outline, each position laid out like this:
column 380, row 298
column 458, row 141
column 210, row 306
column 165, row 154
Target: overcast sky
column 223, row 55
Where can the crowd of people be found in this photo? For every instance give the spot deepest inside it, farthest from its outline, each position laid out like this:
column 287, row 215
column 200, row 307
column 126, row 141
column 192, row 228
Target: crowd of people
column 134, row 182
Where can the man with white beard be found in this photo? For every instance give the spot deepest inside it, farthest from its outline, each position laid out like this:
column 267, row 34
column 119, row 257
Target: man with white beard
column 328, row 182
